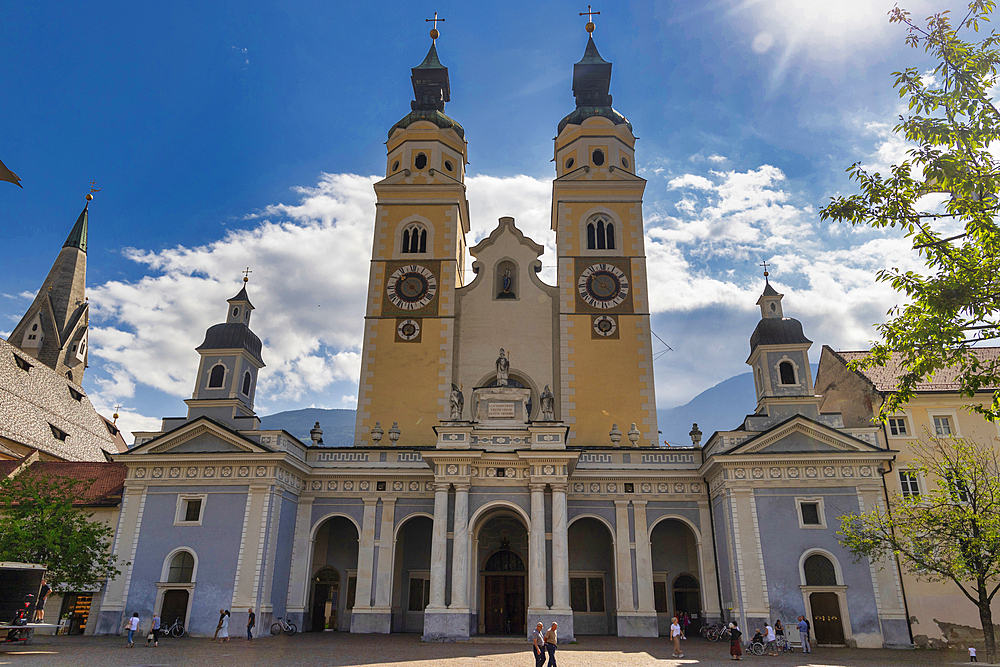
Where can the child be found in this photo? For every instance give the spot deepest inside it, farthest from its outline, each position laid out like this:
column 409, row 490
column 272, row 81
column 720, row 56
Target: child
column 972, row 654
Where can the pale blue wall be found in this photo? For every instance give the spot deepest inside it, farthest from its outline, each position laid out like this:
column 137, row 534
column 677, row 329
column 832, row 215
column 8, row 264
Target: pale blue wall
column 591, row 548
column 283, row 554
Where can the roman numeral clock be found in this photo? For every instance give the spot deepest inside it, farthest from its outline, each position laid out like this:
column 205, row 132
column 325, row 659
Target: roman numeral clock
column 411, row 287
column 603, row 288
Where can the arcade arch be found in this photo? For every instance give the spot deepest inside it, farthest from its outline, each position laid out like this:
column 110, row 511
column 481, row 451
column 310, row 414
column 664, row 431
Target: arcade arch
column 677, row 579
column 411, row 573
column 500, row 558
column 332, row 574
column 592, row 576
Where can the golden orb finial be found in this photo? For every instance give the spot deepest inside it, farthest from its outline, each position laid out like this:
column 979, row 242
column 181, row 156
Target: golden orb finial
column 246, row 275
column 90, row 197
column 590, row 14
column 434, row 28
column 590, row 26
column 434, row 33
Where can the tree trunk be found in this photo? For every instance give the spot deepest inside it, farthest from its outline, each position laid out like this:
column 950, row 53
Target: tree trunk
column 986, row 619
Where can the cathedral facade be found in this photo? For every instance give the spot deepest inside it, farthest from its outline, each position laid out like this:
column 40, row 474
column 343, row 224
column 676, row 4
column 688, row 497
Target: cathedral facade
column 506, row 466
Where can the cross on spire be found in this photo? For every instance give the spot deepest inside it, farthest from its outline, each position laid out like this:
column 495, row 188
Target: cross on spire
column 590, row 14
column 434, row 30
column 246, row 275
column 766, row 274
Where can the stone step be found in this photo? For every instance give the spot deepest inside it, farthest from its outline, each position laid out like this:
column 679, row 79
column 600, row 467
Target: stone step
column 493, row 639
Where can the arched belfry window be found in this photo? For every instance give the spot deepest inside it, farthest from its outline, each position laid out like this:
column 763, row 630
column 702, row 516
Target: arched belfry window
column 414, row 239
column 217, row 376
column 819, row 571
column 786, row 372
column 600, row 234
column 247, row 381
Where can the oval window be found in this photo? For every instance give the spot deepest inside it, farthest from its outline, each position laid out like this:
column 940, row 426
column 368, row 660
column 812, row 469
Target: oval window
column 236, row 312
column 449, row 166
column 625, row 162
column 598, row 157
column 34, row 327
column 395, row 165
column 421, row 161
column 569, row 163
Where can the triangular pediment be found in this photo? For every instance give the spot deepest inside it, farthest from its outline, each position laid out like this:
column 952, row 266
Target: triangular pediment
column 615, row 174
column 801, row 435
column 201, row 436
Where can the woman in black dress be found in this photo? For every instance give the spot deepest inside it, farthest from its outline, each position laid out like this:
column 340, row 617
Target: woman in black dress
column 735, row 647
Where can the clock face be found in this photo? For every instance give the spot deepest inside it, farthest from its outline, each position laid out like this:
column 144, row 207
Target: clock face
column 408, row 330
column 603, row 285
column 411, row 287
column 605, row 326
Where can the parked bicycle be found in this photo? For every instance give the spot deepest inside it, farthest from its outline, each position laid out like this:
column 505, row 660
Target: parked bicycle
column 175, row 630
column 281, row 625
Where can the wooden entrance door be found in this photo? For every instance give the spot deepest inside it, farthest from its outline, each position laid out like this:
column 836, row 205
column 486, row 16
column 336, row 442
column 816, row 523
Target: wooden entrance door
column 505, row 611
column 175, row 604
column 827, row 623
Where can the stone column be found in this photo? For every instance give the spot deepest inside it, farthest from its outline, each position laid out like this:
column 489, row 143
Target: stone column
column 383, row 575
column 460, row 550
column 536, row 551
column 623, row 560
column 439, row 546
column 560, row 550
column 302, row 551
column 643, row 560
column 366, row 555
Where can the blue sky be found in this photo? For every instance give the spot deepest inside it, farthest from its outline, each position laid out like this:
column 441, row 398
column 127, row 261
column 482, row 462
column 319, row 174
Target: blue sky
column 247, row 133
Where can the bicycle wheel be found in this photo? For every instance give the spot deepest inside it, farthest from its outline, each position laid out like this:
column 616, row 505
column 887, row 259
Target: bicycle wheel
column 291, row 630
column 177, row 631
column 712, row 635
column 757, row 648
column 276, row 628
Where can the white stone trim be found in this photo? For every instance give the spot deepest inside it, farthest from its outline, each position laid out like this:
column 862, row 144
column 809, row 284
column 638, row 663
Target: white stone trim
column 181, row 510
column 821, row 510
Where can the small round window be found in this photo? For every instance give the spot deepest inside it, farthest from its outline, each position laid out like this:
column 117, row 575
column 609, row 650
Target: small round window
column 421, row 161
column 34, row 327
column 598, row 157
column 569, row 163
column 236, row 312
column 625, row 162
column 449, row 166
column 395, row 165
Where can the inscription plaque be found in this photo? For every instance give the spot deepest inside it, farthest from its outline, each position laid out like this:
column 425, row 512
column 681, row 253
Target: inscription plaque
column 497, row 410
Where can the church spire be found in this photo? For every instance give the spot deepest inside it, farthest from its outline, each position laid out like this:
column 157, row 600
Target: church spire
column 592, row 86
column 431, row 90
column 54, row 329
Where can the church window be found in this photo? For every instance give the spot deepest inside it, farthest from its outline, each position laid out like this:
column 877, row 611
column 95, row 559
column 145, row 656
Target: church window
column 58, row 433
column 819, row 571
column 598, row 157
column 420, row 594
column 21, row 363
column 786, row 372
column 600, row 234
column 217, row 376
column 448, row 165
column 421, row 161
column 395, row 165
column 625, row 162
column 811, row 513
column 414, row 239
column 190, row 510
column 586, row 594
column 236, row 311
column 569, row 163
column 247, row 381
column 181, row 568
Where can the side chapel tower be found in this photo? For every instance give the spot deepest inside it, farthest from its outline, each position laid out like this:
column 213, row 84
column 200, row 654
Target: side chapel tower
column 421, row 219
column 607, row 363
column 54, row 329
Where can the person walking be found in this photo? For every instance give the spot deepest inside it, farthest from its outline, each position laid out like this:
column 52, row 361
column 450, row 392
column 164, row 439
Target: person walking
column 222, row 615
column 43, row 594
column 779, row 632
column 154, row 632
column 735, row 646
column 685, row 620
column 551, row 642
column 675, row 636
column 251, row 621
column 771, row 639
column 538, row 645
column 804, row 634
column 132, row 625
column 972, row 654
column 224, row 628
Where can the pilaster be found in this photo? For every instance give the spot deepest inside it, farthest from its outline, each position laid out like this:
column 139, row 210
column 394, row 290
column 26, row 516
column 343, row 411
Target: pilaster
column 302, row 549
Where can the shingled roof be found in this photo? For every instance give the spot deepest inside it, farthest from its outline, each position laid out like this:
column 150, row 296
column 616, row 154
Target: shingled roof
column 885, row 378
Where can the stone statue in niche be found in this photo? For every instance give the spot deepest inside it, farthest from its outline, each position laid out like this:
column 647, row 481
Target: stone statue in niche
column 503, row 368
column 505, row 286
column 457, row 403
column 548, row 405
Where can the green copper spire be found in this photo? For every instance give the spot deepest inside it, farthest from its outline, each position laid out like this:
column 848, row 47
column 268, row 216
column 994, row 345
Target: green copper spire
column 78, row 237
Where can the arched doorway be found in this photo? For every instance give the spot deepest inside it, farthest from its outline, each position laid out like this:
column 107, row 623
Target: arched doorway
column 333, row 579
column 325, row 600
column 676, row 573
column 411, row 574
column 592, row 581
column 179, row 572
column 502, row 551
column 820, row 573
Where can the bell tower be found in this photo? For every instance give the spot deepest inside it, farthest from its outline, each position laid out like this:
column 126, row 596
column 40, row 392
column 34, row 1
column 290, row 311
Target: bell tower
column 421, row 219
column 607, row 371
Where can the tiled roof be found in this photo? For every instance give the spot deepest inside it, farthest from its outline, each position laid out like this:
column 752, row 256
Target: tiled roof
column 884, row 378
column 34, row 401
column 7, row 466
column 103, row 481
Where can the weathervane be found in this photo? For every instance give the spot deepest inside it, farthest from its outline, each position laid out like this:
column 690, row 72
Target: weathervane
column 590, row 14
column 93, row 189
column 246, row 275
column 766, row 274
column 434, row 31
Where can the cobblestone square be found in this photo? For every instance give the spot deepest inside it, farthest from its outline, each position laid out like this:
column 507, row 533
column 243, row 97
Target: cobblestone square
column 347, row 650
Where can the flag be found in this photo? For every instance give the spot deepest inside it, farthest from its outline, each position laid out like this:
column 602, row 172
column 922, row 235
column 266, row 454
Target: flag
column 9, row 176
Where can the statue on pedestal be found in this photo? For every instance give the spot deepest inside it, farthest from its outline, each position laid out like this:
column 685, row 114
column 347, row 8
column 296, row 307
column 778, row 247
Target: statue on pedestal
column 548, row 405
column 457, row 403
column 503, row 368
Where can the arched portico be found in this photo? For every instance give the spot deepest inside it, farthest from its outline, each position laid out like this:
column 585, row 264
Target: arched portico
column 501, row 552
column 411, row 572
column 678, row 579
column 592, row 575
column 332, row 572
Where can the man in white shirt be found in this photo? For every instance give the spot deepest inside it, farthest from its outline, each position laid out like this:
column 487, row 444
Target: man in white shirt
column 771, row 640
column 675, row 635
